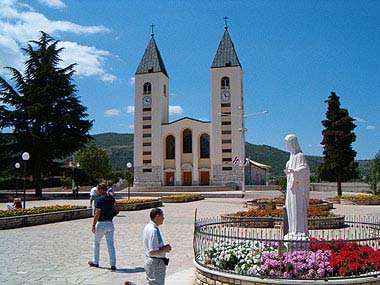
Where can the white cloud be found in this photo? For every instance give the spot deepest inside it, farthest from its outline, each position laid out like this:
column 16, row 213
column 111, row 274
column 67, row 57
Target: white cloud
column 132, row 80
column 130, row 109
column 19, row 23
column 371, row 128
column 131, row 126
column 56, row 4
column 89, row 59
column 112, row 113
column 360, row 120
column 108, row 77
column 175, row 110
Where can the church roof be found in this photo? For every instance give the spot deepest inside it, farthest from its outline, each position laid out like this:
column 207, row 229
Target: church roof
column 226, row 55
column 151, row 61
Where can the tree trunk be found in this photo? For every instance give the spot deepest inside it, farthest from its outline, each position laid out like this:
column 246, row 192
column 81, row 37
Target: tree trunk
column 37, row 178
column 339, row 188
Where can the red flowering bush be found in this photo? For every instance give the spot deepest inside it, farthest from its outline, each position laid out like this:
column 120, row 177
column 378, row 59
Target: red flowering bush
column 349, row 258
column 281, row 200
column 311, row 212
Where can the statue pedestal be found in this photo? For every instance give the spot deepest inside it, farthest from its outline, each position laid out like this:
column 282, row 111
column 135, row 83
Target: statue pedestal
column 296, row 241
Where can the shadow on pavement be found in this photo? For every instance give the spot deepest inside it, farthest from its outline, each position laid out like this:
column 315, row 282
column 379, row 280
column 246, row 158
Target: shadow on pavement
column 130, row 270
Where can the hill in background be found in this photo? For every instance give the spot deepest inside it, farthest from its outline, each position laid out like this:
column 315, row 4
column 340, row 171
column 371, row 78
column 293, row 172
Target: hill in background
column 120, row 149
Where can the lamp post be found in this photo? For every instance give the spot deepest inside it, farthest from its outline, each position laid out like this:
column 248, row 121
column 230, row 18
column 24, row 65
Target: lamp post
column 17, row 166
column 129, row 166
column 25, row 157
column 73, row 165
column 242, row 130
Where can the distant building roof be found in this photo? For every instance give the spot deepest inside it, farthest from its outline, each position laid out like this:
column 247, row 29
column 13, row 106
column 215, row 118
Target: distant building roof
column 259, row 165
column 151, row 61
column 226, row 55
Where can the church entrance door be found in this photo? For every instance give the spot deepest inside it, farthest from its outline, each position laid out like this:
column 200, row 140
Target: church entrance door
column 205, row 178
column 169, row 179
column 187, row 179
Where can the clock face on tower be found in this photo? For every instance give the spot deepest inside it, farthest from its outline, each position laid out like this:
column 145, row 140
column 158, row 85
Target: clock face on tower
column 147, row 101
column 225, row 96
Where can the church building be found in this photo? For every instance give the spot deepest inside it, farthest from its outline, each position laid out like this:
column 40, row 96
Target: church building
column 188, row 151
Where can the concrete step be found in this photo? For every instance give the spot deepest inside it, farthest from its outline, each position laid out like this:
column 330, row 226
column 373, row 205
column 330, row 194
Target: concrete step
column 216, row 194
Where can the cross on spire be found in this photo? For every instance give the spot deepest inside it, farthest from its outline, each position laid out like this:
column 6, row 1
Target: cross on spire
column 152, row 26
column 225, row 22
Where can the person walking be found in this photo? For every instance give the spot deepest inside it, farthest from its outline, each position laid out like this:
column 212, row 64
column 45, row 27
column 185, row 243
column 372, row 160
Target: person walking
column 110, row 190
column 93, row 198
column 103, row 226
column 155, row 249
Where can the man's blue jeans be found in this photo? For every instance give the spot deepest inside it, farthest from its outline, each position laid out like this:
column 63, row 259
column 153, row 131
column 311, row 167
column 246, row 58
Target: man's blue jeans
column 107, row 229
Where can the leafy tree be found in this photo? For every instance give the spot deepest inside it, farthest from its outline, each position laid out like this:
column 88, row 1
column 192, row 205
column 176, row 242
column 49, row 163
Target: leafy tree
column 95, row 162
column 42, row 108
column 339, row 158
column 374, row 178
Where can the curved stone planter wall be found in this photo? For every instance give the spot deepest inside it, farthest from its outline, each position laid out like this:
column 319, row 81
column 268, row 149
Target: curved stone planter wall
column 336, row 222
column 139, row 206
column 183, row 199
column 325, row 206
column 44, row 218
column 205, row 276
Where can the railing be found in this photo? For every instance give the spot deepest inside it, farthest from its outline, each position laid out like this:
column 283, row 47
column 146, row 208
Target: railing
column 235, row 248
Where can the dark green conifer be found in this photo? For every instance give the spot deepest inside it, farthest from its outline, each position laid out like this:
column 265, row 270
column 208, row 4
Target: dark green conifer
column 339, row 158
column 43, row 109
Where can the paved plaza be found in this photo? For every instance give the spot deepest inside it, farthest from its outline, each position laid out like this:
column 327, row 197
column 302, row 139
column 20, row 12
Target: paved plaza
column 58, row 253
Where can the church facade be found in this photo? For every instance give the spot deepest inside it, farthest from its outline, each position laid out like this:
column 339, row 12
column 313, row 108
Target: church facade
column 189, row 151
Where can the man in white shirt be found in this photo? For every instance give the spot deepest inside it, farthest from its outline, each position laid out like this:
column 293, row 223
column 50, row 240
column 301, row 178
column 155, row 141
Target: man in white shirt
column 93, row 197
column 155, row 249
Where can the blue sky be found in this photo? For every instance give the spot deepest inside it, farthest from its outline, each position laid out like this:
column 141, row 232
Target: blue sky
column 293, row 54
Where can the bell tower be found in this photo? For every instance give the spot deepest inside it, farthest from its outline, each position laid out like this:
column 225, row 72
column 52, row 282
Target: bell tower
column 151, row 111
column 227, row 113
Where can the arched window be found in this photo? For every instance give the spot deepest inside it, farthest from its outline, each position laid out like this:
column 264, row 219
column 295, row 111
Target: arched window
column 170, row 147
column 147, row 88
column 187, row 141
column 225, row 83
column 164, row 90
column 204, row 143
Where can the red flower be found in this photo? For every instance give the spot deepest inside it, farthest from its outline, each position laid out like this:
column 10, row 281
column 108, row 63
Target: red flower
column 342, row 271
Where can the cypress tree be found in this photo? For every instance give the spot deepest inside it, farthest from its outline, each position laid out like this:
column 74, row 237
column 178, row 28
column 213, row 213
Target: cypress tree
column 339, row 158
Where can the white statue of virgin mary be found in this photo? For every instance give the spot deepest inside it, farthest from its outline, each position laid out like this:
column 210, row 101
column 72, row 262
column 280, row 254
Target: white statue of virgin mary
column 297, row 190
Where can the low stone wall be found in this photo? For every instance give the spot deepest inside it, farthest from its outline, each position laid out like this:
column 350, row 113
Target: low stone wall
column 325, row 206
column 44, row 218
column 346, row 187
column 139, row 206
column 205, row 276
column 183, row 199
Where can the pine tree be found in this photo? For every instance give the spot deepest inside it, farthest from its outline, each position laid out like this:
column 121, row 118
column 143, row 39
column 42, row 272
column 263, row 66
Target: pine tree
column 43, row 109
column 339, row 158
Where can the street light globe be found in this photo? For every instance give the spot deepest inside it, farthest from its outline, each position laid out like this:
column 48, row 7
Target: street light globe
column 17, row 165
column 129, row 164
column 25, row 156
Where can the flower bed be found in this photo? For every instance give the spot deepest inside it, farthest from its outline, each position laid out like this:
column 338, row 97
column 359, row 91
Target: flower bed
column 42, row 215
column 318, row 219
column 182, row 198
column 273, row 203
column 231, row 256
column 38, row 210
column 138, row 204
column 324, row 259
column 361, row 200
